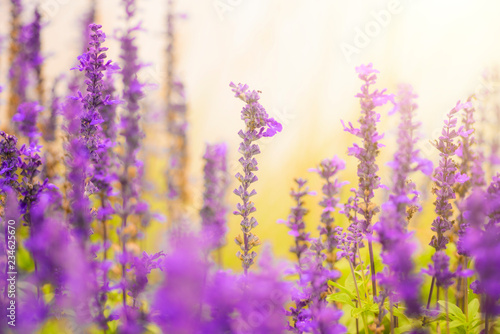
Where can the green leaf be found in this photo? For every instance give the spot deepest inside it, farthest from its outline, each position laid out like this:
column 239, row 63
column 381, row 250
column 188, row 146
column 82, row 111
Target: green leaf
column 349, row 284
column 355, row 312
column 342, row 288
column 452, row 310
column 403, row 329
column 473, row 309
column 373, row 308
column 341, row 297
column 398, row 312
column 456, row 323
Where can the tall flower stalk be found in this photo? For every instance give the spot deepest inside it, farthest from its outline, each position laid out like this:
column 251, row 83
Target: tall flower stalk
column 176, row 116
column 295, row 221
column 129, row 177
column 327, row 169
column 471, row 165
column 14, row 49
column 257, row 125
column 91, row 160
column 446, row 176
column 214, row 210
column 367, row 167
column 481, row 243
column 399, row 280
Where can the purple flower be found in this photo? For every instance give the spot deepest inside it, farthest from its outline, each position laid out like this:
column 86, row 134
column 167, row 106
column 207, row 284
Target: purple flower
column 440, row 270
column 327, row 169
column 93, row 64
column 312, row 312
column 214, row 210
column 177, row 126
column 445, row 177
column 399, row 280
column 27, row 116
column 481, row 242
column 470, row 167
column 351, row 241
column 367, row 167
column 295, row 221
column 257, row 124
column 178, row 300
column 10, row 158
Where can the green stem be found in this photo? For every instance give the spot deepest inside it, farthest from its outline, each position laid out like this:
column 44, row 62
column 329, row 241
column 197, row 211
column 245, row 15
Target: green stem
column 447, row 312
column 357, row 292
column 392, row 317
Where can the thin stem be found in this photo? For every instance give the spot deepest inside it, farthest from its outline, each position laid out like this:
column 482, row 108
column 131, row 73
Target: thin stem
column 396, row 319
column 392, row 317
column 486, row 318
column 447, row 312
column 372, row 269
column 466, row 292
column 357, row 292
column 124, row 246
column 362, row 271
column 430, row 292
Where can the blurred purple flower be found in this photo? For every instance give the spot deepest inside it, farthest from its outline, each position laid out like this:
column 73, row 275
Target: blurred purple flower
column 214, row 210
column 399, row 280
column 27, row 117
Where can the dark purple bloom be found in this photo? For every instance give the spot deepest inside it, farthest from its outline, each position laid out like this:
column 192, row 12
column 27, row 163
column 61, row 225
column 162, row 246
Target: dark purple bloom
column 257, row 125
column 10, row 159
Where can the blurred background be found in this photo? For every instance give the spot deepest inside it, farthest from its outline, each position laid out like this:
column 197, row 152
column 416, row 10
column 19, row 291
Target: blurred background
column 302, row 56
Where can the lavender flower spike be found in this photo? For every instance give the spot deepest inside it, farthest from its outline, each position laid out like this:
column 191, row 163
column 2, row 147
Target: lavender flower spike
column 445, row 177
column 295, row 221
column 326, row 170
column 93, row 63
column 399, row 280
column 131, row 170
column 258, row 124
column 213, row 213
column 367, row 167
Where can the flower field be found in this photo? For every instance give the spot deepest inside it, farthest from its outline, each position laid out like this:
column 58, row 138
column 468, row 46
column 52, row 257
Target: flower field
column 119, row 214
